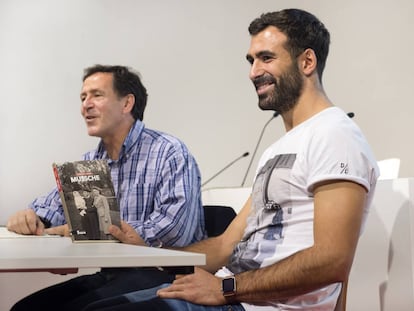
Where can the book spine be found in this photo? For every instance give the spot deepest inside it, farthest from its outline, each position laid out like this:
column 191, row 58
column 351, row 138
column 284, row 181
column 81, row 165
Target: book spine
column 62, row 199
column 55, row 172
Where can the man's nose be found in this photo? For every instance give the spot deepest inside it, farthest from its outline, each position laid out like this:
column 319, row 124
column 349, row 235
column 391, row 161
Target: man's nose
column 256, row 70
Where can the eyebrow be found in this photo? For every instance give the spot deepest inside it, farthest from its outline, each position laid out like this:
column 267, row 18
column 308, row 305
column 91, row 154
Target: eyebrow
column 260, row 54
column 93, row 91
column 265, row 53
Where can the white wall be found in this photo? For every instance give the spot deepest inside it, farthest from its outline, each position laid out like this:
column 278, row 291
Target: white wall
column 191, row 55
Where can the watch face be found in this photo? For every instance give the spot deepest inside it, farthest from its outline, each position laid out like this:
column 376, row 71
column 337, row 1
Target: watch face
column 229, row 286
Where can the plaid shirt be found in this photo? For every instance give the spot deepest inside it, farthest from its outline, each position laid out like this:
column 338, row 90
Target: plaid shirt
column 157, row 182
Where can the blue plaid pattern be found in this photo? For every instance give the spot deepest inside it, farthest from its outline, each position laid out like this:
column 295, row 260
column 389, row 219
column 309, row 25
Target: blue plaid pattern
column 157, row 182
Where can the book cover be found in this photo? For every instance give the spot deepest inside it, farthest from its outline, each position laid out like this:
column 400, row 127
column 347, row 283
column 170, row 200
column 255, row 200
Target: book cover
column 88, row 199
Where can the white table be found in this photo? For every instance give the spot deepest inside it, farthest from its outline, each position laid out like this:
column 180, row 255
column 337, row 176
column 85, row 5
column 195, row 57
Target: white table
column 61, row 255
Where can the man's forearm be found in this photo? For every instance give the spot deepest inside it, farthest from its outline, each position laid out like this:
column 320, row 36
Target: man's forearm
column 216, row 250
column 298, row 274
column 219, row 249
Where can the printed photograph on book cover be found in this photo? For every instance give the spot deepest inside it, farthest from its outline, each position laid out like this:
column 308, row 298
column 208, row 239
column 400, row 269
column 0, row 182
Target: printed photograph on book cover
column 89, row 197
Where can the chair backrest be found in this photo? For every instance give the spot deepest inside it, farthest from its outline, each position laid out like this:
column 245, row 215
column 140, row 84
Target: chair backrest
column 389, row 168
column 382, row 274
column 217, row 218
column 341, row 303
column 231, row 196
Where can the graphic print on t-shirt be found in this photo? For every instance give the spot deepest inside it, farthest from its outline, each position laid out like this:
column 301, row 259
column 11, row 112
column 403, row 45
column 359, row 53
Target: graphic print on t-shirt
column 264, row 229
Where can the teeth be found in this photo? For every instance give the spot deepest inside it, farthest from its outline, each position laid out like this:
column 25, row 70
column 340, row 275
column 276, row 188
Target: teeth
column 263, row 85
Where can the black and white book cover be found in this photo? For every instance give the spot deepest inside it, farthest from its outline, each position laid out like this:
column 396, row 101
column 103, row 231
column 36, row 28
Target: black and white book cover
column 88, row 199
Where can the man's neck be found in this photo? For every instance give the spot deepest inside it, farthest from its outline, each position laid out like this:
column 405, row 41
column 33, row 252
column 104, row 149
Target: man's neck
column 113, row 145
column 113, row 150
column 310, row 103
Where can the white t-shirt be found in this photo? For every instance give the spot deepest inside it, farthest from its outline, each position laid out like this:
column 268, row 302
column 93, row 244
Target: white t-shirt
column 328, row 146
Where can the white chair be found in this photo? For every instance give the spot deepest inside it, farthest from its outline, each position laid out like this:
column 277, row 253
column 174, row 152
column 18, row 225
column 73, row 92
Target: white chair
column 235, row 197
column 389, row 168
column 382, row 275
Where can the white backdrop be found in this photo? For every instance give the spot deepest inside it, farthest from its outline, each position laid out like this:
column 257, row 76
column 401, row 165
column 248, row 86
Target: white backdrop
column 191, row 55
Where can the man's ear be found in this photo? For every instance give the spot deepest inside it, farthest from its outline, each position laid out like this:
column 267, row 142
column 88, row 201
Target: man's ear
column 129, row 103
column 308, row 62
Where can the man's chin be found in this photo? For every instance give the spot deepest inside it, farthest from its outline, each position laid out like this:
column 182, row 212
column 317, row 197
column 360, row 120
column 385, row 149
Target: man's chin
column 92, row 133
column 265, row 105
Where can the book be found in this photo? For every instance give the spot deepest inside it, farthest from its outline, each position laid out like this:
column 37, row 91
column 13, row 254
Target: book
column 88, row 199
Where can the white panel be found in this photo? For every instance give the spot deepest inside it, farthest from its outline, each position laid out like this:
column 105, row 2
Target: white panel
column 382, row 274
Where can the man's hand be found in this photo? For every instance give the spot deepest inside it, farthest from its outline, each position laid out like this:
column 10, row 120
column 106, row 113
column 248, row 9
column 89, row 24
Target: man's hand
column 126, row 234
column 62, row 230
column 201, row 287
column 26, row 222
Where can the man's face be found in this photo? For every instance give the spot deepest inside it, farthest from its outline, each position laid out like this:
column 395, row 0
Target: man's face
column 86, row 194
column 275, row 76
column 101, row 108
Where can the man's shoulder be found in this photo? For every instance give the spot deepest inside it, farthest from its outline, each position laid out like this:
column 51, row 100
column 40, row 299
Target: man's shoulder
column 332, row 122
column 163, row 138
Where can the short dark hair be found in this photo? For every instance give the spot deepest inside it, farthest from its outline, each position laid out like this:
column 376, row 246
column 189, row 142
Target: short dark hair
column 302, row 29
column 125, row 81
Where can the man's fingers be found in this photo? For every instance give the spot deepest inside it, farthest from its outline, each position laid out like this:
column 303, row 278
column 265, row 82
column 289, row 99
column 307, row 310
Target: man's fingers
column 117, row 233
column 126, row 234
column 29, row 223
column 40, row 227
column 58, row 230
column 23, row 222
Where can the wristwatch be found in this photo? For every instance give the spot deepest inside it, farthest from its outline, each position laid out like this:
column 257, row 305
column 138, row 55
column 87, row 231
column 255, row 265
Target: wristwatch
column 45, row 222
column 228, row 286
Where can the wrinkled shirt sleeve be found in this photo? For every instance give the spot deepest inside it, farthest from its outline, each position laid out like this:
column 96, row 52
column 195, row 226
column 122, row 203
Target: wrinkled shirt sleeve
column 177, row 217
column 49, row 207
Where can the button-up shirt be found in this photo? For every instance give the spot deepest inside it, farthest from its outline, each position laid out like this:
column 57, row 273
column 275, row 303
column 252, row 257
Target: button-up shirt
column 157, row 182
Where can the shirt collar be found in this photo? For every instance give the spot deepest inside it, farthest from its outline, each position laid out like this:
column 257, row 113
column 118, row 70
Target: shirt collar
column 131, row 139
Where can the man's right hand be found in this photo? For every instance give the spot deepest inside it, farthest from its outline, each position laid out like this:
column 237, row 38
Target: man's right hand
column 26, row 222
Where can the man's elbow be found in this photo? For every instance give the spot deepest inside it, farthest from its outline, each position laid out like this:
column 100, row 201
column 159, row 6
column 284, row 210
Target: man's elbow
column 341, row 265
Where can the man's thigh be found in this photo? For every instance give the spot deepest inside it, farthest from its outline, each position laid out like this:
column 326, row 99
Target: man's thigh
column 147, row 300
column 77, row 293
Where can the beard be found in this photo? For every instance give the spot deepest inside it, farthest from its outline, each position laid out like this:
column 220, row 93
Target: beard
column 286, row 90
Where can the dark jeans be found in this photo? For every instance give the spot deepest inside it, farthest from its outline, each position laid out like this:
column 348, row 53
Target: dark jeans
column 77, row 293
column 147, row 300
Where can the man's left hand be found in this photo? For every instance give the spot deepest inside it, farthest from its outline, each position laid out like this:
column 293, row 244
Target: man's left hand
column 126, row 234
column 201, row 287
